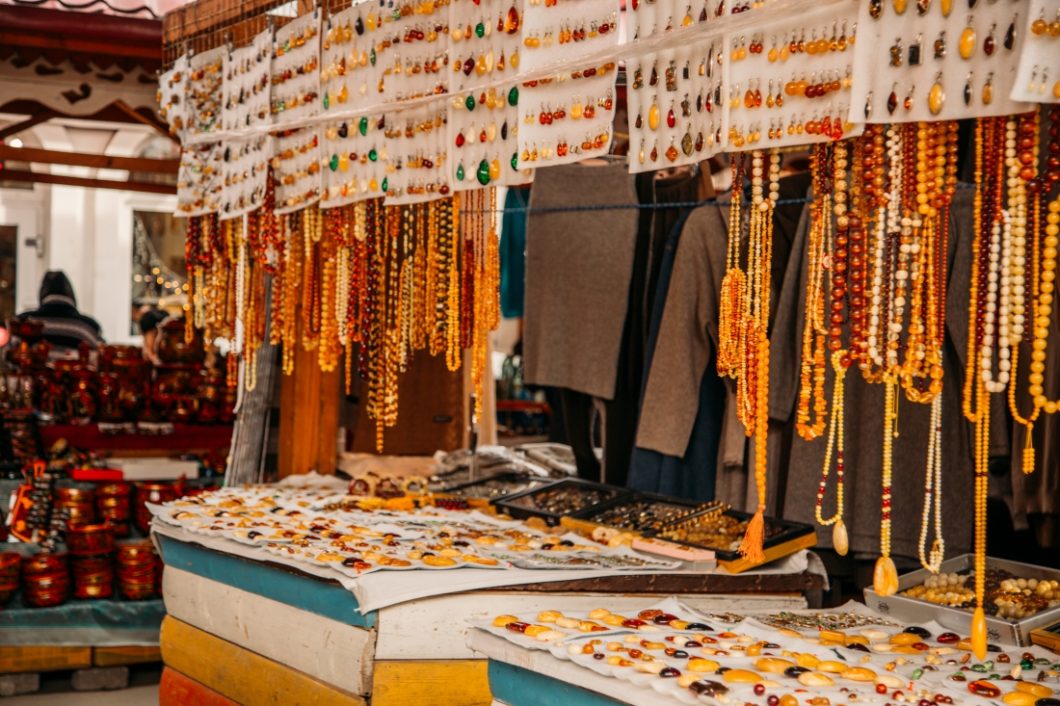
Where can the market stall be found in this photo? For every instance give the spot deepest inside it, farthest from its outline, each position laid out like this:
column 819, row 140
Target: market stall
column 789, row 277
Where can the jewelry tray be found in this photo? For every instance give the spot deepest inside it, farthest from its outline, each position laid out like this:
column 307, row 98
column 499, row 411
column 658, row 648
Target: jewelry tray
column 790, row 538
column 522, row 481
column 520, row 505
column 1003, row 630
column 588, row 517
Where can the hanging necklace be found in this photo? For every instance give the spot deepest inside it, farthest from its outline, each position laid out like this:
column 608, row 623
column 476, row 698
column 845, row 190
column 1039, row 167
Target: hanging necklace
column 813, row 365
column 747, row 337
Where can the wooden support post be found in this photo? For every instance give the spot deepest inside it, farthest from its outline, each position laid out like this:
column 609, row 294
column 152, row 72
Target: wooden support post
column 309, row 417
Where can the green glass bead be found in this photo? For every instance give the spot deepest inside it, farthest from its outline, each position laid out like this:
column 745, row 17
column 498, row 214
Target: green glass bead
column 287, row 46
column 334, row 162
column 327, row 101
column 993, row 676
column 513, row 96
column 483, row 172
column 373, row 155
column 385, row 185
column 979, row 668
column 460, row 172
column 470, row 102
column 1027, row 664
column 917, row 673
column 480, row 30
column 988, row 665
column 515, row 160
column 371, row 57
column 362, row 126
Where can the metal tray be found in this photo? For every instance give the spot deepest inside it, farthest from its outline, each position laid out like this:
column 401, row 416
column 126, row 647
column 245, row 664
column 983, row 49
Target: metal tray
column 1003, row 630
column 519, row 482
column 787, row 531
column 593, row 514
column 524, row 505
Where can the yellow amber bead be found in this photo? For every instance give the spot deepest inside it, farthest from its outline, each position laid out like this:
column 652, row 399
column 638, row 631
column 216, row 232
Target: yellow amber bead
column 653, row 117
column 900, row 5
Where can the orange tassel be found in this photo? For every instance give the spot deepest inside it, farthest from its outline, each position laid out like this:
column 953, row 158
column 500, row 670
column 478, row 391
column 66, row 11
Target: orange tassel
column 751, row 546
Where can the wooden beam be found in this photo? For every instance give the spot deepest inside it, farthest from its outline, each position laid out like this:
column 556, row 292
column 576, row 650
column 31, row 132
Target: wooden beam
column 95, row 161
column 150, row 121
column 73, row 45
column 88, row 183
column 35, row 119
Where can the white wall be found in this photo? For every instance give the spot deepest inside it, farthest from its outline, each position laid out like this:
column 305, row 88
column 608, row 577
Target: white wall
column 88, row 233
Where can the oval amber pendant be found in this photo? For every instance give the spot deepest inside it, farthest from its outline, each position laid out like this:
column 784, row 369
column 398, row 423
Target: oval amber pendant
column 495, row 169
column 936, row 98
column 966, row 43
column 899, row 6
column 653, row 117
column 988, row 93
column 840, row 541
column 885, row 577
column 946, row 6
column 979, row 633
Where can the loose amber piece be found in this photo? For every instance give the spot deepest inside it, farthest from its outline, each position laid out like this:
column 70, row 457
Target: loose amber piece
column 981, row 687
column 741, row 676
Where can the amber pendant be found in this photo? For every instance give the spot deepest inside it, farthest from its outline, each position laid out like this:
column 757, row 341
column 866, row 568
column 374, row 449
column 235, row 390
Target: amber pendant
column 699, row 142
column 922, row 7
column 896, row 53
column 940, row 45
column 840, row 540
column 899, row 6
column 653, row 117
column 885, row 577
column 686, row 144
column 672, row 153
column 654, row 153
column 988, row 90
column 989, row 45
column 868, row 106
column 914, row 53
column 908, row 102
column 969, row 91
column 966, row 42
column 1010, row 36
column 875, row 9
column 892, row 102
column 936, row 96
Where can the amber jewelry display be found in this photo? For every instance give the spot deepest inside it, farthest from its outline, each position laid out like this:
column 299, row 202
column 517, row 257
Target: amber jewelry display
column 296, row 169
column 549, row 132
column 204, row 100
column 675, row 112
column 200, row 180
column 295, row 77
column 172, row 96
column 1038, row 77
column 947, row 62
column 353, row 157
column 792, row 83
column 246, row 87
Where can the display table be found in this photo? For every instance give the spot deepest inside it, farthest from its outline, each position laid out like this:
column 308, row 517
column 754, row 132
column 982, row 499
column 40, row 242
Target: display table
column 241, row 628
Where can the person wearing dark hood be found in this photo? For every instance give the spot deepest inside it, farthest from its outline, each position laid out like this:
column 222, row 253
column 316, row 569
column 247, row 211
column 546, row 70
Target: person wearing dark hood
column 65, row 327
